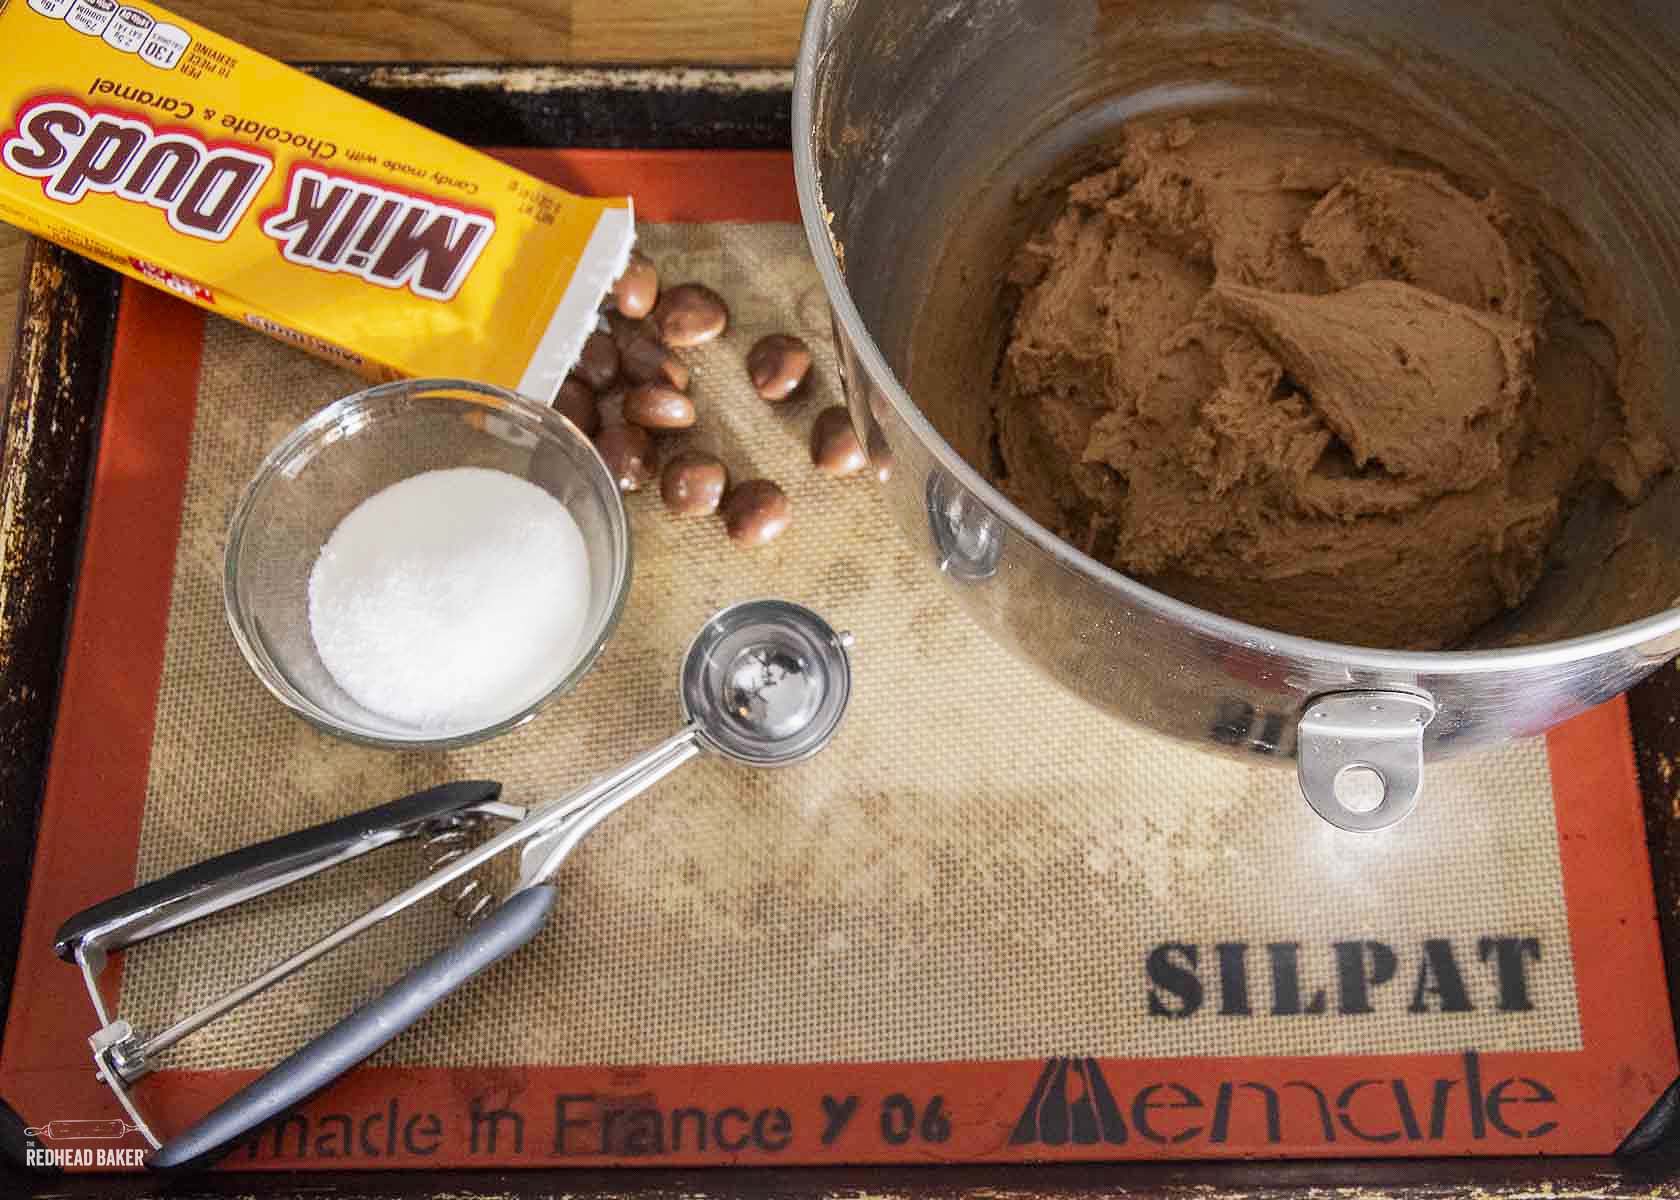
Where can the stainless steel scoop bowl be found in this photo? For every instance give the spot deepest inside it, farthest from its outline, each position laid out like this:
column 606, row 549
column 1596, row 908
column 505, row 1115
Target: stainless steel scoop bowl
column 766, row 683
column 916, row 122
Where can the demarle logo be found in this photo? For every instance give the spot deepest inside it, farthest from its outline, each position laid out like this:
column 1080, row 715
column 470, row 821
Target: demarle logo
column 203, row 189
column 1071, row 1104
column 340, row 223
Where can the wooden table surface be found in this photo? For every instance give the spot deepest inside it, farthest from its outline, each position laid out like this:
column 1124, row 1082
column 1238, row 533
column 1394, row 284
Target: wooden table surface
column 740, row 32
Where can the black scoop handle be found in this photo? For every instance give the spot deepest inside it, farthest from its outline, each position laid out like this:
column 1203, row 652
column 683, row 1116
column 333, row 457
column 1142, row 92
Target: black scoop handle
column 239, row 875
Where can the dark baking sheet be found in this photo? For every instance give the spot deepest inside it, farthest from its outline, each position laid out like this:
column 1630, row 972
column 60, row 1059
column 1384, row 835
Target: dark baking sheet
column 51, row 429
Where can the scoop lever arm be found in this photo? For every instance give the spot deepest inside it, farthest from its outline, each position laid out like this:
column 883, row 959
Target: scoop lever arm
column 239, row 875
column 353, row 1039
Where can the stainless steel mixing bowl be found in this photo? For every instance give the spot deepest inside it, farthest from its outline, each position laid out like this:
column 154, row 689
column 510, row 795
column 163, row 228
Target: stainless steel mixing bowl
column 915, row 122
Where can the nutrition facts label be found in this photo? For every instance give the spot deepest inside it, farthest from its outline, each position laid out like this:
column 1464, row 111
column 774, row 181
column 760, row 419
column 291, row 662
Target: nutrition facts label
column 123, row 27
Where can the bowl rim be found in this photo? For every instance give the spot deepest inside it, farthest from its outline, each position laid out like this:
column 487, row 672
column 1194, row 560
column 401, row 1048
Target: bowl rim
column 484, row 396
column 822, row 19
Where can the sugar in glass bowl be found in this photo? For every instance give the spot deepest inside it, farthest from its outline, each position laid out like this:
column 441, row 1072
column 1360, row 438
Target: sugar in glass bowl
column 358, row 448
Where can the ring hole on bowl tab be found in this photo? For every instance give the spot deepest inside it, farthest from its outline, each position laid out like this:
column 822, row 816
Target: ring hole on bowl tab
column 1360, row 788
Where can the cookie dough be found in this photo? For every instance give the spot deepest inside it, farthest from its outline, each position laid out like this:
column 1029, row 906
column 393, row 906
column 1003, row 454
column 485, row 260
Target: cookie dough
column 1279, row 373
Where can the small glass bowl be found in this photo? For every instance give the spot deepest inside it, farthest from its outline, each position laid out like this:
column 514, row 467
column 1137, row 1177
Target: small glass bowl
column 360, row 445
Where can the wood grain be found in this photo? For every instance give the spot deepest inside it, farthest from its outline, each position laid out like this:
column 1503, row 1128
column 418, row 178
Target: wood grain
column 743, row 32
column 13, row 249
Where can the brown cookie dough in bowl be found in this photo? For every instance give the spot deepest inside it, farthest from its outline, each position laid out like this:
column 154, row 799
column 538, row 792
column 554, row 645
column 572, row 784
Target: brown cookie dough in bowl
column 1253, row 361
column 1272, row 352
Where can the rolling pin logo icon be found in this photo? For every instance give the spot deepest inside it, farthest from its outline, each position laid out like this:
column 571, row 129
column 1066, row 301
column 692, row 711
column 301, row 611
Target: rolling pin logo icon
column 72, row 1131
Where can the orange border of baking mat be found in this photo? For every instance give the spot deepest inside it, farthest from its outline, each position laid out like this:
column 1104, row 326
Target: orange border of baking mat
column 1411, row 1105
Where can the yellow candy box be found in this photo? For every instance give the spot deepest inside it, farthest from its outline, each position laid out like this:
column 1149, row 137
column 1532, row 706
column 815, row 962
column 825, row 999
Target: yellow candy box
column 187, row 161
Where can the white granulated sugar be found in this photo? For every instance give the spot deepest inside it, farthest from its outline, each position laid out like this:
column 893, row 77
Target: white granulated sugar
column 451, row 600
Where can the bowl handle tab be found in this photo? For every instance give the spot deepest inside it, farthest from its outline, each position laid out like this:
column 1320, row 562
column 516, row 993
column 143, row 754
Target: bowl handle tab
column 1359, row 757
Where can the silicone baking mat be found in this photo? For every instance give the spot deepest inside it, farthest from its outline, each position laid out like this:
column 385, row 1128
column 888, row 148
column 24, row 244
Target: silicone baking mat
column 986, row 924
